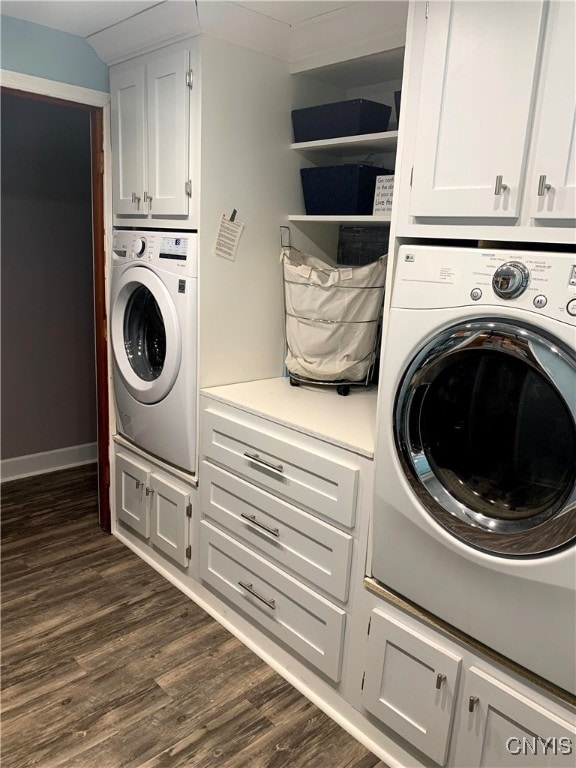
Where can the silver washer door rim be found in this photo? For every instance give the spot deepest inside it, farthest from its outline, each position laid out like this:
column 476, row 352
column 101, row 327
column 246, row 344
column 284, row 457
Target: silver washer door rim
column 530, row 536
column 146, row 392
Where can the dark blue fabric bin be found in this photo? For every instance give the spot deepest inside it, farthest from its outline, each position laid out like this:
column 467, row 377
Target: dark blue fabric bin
column 341, row 118
column 340, row 190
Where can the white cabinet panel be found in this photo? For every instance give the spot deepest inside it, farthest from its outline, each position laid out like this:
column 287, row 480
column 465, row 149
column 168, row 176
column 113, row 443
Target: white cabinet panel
column 128, row 140
column 479, row 76
column 169, row 529
column 168, row 135
column 410, row 685
column 504, row 729
column 264, row 455
column 310, row 548
column 310, row 625
column 554, row 142
column 132, row 480
column 151, row 137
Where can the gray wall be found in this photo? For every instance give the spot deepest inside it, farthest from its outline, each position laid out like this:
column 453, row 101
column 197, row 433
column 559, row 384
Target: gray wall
column 48, row 390
column 32, row 49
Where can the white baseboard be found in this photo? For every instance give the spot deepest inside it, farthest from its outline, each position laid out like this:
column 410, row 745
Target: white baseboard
column 48, row 461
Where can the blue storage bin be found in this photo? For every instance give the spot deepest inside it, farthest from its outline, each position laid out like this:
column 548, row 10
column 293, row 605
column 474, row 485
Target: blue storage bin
column 341, row 118
column 340, row 190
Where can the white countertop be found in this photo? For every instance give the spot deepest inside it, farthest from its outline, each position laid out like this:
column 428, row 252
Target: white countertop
column 321, row 412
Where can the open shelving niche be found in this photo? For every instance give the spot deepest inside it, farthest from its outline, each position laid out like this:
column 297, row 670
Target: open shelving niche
column 374, row 77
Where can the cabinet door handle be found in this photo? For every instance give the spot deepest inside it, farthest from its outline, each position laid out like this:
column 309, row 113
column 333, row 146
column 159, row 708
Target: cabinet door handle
column 148, row 199
column 499, row 187
column 149, row 491
column 138, row 484
column 136, row 199
column 472, row 702
column 255, row 457
column 249, row 588
column 252, row 519
column 439, row 680
column 542, row 186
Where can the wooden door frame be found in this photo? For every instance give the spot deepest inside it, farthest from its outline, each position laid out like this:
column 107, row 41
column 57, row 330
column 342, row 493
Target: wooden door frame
column 93, row 102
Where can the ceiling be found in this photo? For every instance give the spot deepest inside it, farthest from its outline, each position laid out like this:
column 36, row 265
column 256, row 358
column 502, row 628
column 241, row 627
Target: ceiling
column 87, row 17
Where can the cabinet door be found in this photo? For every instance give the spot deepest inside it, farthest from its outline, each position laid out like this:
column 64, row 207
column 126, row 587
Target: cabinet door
column 128, row 140
column 554, row 144
column 168, row 135
column 169, row 530
column 479, row 70
column 132, row 479
column 410, row 685
column 505, row 729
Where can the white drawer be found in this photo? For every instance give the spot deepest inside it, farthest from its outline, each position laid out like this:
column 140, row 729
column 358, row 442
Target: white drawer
column 310, row 548
column 303, row 620
column 302, row 469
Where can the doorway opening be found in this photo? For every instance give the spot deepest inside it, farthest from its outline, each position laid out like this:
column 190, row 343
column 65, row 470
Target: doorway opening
column 54, row 348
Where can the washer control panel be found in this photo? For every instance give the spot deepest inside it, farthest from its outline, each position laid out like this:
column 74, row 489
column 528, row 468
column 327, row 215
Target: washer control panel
column 173, row 252
column 543, row 283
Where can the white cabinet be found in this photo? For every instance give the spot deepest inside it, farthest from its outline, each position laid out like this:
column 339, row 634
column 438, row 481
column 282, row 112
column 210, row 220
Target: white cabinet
column 154, row 504
column 551, row 187
column 151, row 136
column 502, row 728
column 273, row 505
column 489, row 121
column 478, row 83
column 306, row 622
column 453, row 705
column 281, row 461
column 410, row 684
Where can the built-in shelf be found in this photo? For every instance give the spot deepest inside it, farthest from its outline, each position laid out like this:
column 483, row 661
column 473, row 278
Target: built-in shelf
column 366, row 221
column 349, row 145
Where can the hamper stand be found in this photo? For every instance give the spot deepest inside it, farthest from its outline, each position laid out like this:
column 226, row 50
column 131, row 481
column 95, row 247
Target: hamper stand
column 332, row 320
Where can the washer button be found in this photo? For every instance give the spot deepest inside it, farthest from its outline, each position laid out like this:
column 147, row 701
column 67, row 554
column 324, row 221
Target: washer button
column 571, row 307
column 475, row 294
column 540, row 301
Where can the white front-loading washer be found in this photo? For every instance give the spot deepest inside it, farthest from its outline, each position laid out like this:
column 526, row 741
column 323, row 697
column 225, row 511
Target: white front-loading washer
column 475, row 464
column 153, row 328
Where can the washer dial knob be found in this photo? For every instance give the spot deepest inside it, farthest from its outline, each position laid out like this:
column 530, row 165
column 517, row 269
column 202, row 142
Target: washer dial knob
column 139, row 246
column 510, row 280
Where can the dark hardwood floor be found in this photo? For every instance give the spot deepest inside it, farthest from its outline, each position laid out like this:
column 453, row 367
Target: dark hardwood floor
column 105, row 664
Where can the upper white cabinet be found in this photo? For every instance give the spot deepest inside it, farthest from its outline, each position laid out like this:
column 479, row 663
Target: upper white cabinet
column 488, row 134
column 478, row 81
column 151, row 137
column 552, row 184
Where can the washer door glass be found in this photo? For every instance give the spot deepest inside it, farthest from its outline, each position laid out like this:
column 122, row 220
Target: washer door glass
column 146, row 335
column 485, row 427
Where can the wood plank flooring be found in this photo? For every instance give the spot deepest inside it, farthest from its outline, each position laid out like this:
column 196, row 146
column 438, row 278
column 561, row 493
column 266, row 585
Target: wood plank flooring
column 107, row 665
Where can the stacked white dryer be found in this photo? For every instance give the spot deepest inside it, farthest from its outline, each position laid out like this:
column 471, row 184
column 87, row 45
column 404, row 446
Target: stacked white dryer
column 153, row 310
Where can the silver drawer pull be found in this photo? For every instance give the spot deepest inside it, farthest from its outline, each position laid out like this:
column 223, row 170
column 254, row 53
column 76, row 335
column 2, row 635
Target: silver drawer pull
column 472, row 703
column 440, row 678
column 250, row 588
column 252, row 519
column 255, row 457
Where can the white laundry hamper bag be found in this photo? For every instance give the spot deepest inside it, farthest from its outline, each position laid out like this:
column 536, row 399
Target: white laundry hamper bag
column 332, row 317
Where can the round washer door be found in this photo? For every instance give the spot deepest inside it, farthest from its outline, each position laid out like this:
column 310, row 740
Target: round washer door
column 485, row 428
column 146, row 337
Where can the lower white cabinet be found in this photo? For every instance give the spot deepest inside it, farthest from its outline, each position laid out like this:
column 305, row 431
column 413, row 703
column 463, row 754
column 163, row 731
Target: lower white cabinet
column 410, row 685
column 455, row 707
column 154, row 504
column 501, row 727
column 306, row 622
